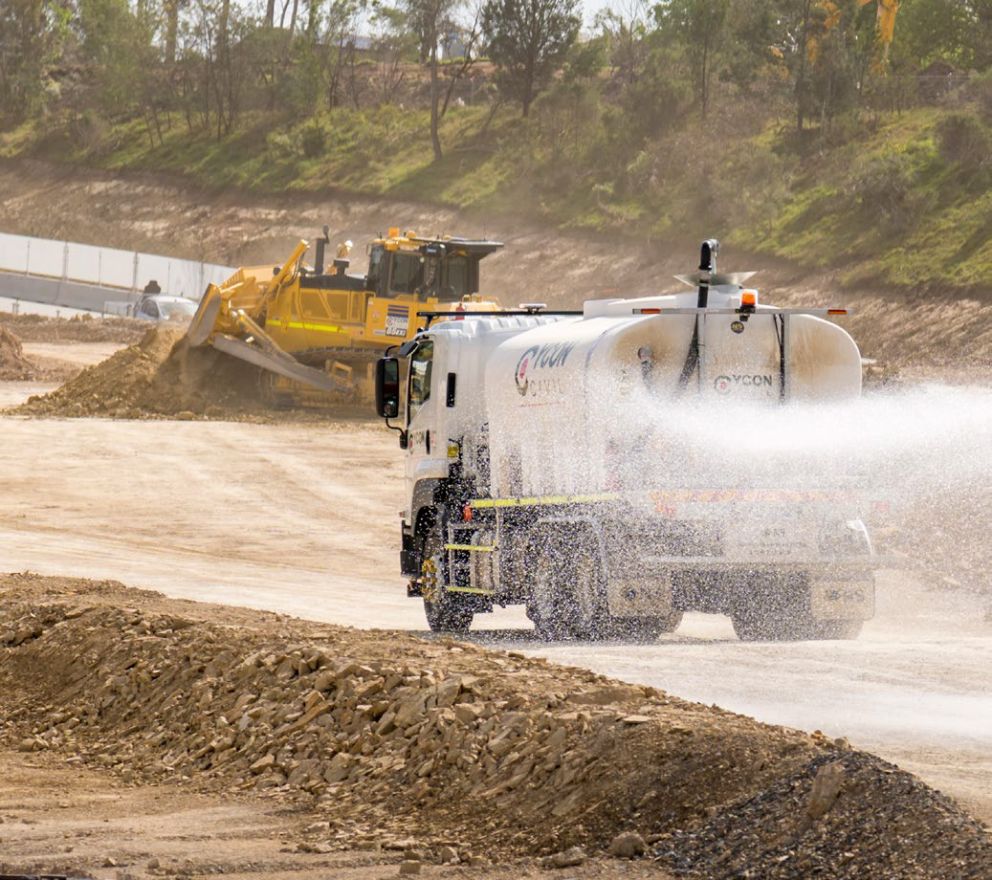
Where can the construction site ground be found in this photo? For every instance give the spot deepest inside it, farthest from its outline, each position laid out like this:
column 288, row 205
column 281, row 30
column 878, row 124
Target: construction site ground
column 298, row 515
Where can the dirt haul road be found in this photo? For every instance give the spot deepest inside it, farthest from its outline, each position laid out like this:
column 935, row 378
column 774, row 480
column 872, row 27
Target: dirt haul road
column 302, row 519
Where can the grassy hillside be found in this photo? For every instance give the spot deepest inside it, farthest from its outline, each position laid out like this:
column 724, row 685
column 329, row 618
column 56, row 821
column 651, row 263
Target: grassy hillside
column 898, row 198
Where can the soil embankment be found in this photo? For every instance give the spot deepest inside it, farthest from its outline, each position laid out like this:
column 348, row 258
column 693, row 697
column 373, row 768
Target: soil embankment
column 389, row 740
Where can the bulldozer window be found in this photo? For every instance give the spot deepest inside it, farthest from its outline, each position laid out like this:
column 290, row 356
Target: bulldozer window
column 420, row 375
column 455, row 283
column 375, row 267
column 407, row 273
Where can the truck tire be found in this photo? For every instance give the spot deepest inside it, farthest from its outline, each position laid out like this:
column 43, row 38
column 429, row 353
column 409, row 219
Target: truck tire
column 566, row 598
column 755, row 626
column 836, row 629
column 800, row 629
column 445, row 612
column 645, row 629
column 780, row 612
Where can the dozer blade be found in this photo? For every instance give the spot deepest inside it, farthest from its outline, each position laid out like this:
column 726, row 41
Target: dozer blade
column 203, row 321
column 281, row 363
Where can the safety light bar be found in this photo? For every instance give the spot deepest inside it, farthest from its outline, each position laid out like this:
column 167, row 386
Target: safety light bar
column 739, row 311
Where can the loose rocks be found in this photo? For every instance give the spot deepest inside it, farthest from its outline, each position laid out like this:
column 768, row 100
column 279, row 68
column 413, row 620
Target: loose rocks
column 391, row 741
column 628, row 845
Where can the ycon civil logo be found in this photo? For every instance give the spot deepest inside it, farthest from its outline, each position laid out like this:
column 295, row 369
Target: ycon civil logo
column 537, row 357
column 723, row 384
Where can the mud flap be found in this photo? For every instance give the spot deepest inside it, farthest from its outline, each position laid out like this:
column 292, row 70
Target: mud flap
column 640, row 597
column 845, row 597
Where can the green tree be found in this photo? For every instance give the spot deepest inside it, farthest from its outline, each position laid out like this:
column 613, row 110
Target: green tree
column 700, row 27
column 118, row 48
column 528, row 40
column 32, row 36
column 430, row 18
column 956, row 31
column 753, row 28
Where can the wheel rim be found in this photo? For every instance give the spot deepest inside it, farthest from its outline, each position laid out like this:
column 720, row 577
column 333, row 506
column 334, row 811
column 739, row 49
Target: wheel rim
column 430, row 585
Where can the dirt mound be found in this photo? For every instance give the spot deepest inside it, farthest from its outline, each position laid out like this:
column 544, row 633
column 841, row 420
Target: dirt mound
column 82, row 328
column 13, row 365
column 159, row 376
column 797, row 826
column 397, row 741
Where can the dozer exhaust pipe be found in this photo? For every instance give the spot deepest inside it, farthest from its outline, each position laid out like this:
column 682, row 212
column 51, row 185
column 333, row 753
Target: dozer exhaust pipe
column 318, row 258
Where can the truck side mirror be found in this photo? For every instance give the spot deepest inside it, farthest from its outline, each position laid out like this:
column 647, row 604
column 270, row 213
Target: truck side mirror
column 387, row 387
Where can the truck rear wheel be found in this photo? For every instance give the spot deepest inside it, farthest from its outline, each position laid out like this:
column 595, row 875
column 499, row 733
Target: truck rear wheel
column 645, row 629
column 799, row 629
column 565, row 599
column 836, row 629
column 779, row 610
column 445, row 612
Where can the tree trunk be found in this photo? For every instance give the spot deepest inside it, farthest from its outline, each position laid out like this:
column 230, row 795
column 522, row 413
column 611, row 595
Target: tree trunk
column 801, row 76
column 171, row 30
column 312, row 21
column 435, row 100
column 704, row 92
column 270, row 12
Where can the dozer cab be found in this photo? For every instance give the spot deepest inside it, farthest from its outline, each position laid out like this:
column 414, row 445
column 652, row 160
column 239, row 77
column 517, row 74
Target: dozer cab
column 317, row 332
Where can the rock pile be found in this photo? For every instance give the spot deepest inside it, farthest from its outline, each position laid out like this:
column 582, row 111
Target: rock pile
column 438, row 747
column 868, row 813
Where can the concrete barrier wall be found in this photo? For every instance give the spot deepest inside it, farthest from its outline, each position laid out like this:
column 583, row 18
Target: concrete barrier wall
column 56, row 292
column 68, row 273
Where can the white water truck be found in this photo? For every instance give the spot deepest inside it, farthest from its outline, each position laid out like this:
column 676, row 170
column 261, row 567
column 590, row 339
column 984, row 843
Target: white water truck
column 546, row 466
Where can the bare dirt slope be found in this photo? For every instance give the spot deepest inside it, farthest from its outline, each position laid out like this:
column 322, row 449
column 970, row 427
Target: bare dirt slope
column 36, row 348
column 14, row 366
column 163, row 215
column 382, row 737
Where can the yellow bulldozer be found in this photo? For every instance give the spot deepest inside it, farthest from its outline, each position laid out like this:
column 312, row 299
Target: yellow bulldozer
column 316, row 333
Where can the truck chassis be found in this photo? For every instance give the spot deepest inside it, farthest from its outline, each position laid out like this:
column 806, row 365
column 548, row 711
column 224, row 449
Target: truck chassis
column 623, row 566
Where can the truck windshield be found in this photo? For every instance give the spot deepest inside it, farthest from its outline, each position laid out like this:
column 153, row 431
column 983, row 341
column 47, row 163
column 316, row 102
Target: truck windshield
column 420, row 375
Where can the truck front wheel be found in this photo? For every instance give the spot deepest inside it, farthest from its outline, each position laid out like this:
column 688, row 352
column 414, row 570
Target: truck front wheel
column 445, row 612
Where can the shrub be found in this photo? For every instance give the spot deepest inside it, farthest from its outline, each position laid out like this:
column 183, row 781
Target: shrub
column 964, row 140
column 980, row 88
column 883, row 187
column 313, row 139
